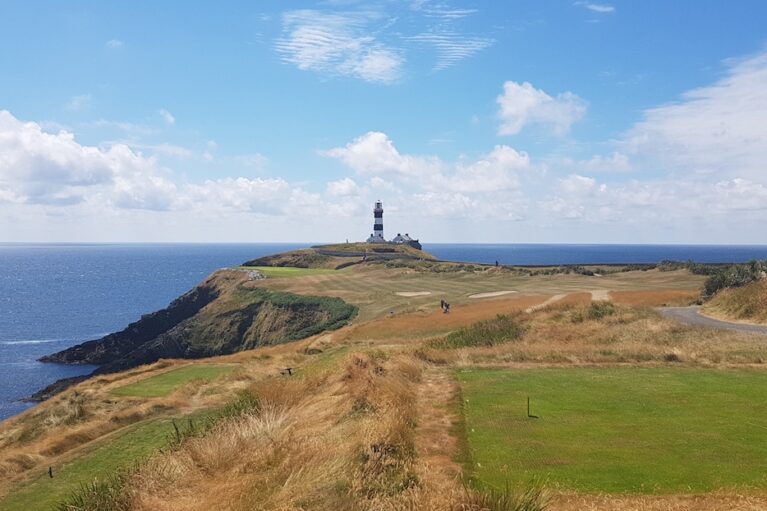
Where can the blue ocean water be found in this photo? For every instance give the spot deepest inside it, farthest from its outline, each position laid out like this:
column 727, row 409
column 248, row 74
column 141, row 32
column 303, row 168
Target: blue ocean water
column 53, row 296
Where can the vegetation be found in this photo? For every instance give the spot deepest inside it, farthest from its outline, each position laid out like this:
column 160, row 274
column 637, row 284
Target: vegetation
column 287, row 271
column 734, row 276
column 101, row 463
column 373, row 417
column 618, row 430
column 165, row 383
column 747, row 303
column 490, row 332
column 306, row 258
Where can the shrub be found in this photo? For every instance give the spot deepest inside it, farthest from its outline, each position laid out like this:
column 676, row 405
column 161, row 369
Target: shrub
column 490, row 332
column 506, row 499
column 107, row 494
column 601, row 309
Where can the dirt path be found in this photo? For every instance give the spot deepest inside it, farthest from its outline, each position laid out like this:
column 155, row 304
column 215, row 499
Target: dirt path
column 434, row 440
column 548, row 302
column 692, row 316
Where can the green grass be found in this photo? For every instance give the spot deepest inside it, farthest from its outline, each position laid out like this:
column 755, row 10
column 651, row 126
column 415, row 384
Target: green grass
column 274, row 272
column 119, row 451
column 618, row 430
column 165, row 383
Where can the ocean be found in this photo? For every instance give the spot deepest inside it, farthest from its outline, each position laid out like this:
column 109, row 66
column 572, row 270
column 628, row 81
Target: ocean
column 53, row 296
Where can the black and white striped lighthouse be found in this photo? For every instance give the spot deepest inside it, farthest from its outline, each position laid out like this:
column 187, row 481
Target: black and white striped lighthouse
column 378, row 220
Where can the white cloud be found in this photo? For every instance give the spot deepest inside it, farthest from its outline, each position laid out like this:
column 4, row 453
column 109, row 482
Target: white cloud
column 167, row 117
column 452, row 47
column 718, row 129
column 343, row 187
column 486, row 187
column 614, row 163
column 374, row 154
column 522, row 105
column 78, row 103
column 339, row 44
column 114, row 44
column 600, row 8
column 496, row 171
column 55, row 170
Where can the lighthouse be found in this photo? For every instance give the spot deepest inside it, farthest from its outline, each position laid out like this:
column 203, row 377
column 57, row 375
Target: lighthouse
column 378, row 234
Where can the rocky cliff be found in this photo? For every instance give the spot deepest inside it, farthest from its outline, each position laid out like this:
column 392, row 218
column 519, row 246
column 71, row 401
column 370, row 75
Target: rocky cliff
column 225, row 314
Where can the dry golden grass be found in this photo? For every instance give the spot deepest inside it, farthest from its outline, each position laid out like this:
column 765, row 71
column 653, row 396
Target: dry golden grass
column 663, row 298
column 421, row 325
column 720, row 501
column 747, row 303
column 564, row 334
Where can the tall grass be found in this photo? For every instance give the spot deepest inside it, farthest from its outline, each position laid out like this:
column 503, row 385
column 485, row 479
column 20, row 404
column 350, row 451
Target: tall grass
column 501, row 329
column 532, row 498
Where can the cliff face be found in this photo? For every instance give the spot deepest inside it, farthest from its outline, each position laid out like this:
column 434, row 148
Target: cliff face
column 149, row 327
column 222, row 315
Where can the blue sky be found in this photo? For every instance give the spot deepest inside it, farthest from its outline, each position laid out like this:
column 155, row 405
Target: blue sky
column 524, row 121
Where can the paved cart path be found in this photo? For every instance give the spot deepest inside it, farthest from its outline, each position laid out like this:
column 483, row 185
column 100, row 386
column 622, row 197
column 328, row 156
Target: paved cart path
column 692, row 316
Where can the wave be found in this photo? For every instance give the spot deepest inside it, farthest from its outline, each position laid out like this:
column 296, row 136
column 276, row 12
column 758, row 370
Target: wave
column 45, row 341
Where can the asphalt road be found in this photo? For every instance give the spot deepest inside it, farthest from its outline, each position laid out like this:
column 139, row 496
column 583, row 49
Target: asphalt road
column 692, row 316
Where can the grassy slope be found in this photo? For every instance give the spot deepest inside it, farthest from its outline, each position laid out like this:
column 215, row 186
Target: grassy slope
column 619, row 430
column 163, row 384
column 372, row 248
column 118, row 451
column 288, row 271
column 747, row 303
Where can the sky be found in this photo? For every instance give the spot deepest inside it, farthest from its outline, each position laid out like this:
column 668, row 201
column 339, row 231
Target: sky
column 500, row 122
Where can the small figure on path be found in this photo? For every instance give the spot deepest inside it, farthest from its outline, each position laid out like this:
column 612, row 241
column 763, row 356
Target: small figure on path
column 50, row 472
column 496, row 264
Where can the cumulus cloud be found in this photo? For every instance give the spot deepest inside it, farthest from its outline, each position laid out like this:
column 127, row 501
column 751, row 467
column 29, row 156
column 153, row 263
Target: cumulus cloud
column 485, row 186
column 42, row 167
column 114, row 44
column 53, row 169
column 522, row 105
column 339, row 44
column 374, row 154
column 342, row 187
column 718, row 129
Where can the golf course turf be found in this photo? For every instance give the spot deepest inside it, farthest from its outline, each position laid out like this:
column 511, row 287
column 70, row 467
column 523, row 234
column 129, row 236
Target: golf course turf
column 618, row 430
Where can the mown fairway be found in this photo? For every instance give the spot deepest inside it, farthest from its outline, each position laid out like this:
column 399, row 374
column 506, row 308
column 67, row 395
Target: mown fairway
column 629, row 430
column 165, row 383
column 288, row 271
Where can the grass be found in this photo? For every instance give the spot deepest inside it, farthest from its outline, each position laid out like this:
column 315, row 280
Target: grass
column 163, row 384
column 747, row 303
column 275, row 272
column 618, row 430
column 490, row 332
column 117, row 452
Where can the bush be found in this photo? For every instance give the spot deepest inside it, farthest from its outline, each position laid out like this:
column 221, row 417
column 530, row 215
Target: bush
column 601, row 309
column 107, row 494
column 484, row 333
column 507, row 499
column 734, row 276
